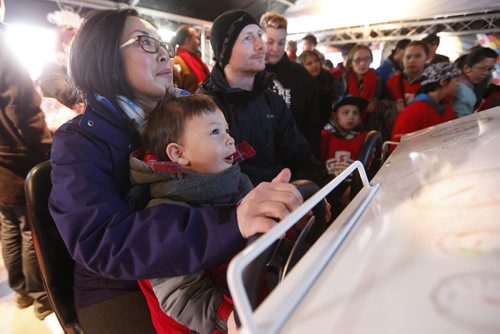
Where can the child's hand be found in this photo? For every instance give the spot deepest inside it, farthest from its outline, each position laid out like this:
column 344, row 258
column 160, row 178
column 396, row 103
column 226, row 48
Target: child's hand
column 231, row 324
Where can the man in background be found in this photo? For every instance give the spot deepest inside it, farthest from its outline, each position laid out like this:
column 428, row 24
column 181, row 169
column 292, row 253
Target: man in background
column 24, row 142
column 291, row 51
column 292, row 82
column 240, row 85
column 432, row 41
column 309, row 43
column 394, row 63
column 189, row 69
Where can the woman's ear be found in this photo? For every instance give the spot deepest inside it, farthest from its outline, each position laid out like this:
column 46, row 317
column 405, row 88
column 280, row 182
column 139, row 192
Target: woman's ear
column 466, row 69
column 175, row 153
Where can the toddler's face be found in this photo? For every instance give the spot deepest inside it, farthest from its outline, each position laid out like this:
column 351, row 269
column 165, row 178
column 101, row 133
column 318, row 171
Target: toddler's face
column 207, row 144
column 347, row 117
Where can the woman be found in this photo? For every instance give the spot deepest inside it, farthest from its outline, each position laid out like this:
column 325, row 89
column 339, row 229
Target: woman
column 363, row 81
column 476, row 68
column 329, row 88
column 123, row 70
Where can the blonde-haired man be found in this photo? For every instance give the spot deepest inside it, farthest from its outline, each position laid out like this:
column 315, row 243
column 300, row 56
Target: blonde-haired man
column 292, row 81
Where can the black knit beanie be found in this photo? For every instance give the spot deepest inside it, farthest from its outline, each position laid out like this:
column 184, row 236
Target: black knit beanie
column 225, row 30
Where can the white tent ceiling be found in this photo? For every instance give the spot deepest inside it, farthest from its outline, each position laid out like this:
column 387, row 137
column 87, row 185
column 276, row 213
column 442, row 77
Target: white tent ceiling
column 315, row 15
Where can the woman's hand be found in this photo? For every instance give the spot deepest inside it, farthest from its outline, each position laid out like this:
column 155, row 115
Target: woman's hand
column 267, row 203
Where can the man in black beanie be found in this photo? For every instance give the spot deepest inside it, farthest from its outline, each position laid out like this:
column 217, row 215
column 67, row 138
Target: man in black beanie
column 239, row 86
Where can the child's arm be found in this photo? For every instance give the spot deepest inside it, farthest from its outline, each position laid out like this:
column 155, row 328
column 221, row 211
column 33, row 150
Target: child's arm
column 193, row 301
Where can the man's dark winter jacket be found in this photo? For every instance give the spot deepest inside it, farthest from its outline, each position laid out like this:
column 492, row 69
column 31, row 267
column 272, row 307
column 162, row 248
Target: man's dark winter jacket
column 300, row 92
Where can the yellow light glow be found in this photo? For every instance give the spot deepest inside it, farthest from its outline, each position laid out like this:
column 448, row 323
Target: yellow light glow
column 166, row 34
column 32, row 45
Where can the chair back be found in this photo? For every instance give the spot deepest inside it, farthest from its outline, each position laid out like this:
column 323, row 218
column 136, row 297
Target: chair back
column 56, row 265
column 370, row 155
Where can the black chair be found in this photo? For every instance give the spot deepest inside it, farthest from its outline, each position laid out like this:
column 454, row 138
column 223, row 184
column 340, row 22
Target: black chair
column 56, row 265
column 370, row 156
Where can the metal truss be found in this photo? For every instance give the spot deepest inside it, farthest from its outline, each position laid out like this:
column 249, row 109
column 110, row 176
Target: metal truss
column 488, row 22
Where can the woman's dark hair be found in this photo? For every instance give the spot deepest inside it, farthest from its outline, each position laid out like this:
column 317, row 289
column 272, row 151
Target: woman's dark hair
column 96, row 65
column 180, row 37
column 165, row 124
column 460, row 61
column 478, row 54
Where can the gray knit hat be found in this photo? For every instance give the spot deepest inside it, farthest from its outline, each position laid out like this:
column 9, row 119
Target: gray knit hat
column 439, row 71
column 225, row 30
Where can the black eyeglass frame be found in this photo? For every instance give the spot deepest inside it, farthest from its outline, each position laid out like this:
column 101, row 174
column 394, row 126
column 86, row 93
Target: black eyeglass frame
column 156, row 44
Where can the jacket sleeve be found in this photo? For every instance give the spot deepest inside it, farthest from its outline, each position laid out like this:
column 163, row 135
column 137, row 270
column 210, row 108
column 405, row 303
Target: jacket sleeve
column 191, row 300
column 462, row 104
column 54, row 83
column 21, row 104
column 104, row 235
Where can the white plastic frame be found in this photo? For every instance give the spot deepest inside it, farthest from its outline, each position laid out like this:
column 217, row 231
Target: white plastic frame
column 245, row 257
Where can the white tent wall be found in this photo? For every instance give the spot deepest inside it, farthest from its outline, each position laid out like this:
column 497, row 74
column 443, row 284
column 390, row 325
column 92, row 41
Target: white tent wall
column 380, row 24
column 315, row 15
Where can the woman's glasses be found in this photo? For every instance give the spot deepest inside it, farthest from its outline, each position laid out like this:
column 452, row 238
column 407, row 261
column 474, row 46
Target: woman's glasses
column 362, row 60
column 484, row 68
column 150, row 45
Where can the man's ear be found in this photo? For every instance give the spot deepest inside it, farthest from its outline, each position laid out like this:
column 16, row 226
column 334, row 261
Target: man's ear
column 175, row 153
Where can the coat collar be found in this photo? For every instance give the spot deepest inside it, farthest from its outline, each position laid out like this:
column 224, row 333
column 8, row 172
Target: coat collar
column 217, row 83
column 104, row 121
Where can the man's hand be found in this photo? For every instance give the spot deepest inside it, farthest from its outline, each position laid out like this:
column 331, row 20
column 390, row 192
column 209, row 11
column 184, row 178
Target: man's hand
column 265, row 204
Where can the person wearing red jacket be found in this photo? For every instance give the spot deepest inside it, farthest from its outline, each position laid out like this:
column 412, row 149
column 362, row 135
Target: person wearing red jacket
column 189, row 68
column 403, row 86
column 188, row 158
column 361, row 80
column 341, row 136
column 432, row 105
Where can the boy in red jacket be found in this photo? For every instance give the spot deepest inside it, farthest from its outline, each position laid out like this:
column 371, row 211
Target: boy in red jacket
column 432, row 104
column 341, row 136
